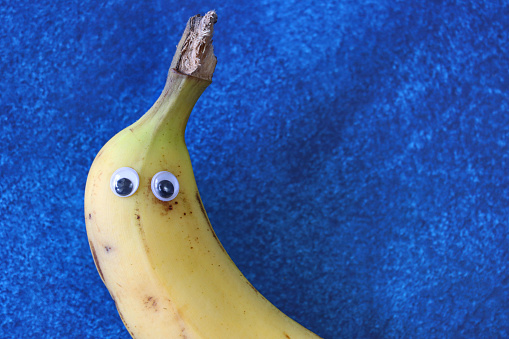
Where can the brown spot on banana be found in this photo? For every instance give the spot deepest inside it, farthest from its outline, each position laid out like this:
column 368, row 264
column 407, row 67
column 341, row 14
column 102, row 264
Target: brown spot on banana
column 99, row 154
column 96, row 260
column 251, row 285
column 151, row 302
column 182, row 325
column 215, row 237
column 140, row 230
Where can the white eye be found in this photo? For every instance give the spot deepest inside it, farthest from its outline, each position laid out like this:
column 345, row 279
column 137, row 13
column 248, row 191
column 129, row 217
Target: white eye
column 124, row 182
column 165, row 186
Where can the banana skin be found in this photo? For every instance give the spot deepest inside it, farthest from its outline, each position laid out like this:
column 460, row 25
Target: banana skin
column 161, row 261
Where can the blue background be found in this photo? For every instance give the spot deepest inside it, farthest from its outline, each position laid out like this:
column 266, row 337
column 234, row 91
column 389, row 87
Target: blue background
column 352, row 157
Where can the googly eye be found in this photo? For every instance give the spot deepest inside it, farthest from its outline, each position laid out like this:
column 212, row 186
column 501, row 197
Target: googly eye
column 124, row 182
column 165, row 186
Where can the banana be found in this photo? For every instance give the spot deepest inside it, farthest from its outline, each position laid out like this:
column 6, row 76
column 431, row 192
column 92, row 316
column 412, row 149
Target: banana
column 149, row 234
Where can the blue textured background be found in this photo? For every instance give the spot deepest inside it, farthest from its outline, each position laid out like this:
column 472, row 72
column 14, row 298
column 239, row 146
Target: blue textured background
column 352, row 156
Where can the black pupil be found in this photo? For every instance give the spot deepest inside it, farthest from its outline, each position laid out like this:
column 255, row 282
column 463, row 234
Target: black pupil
column 165, row 188
column 124, row 186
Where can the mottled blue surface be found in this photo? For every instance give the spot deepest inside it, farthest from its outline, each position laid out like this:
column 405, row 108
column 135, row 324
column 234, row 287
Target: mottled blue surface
column 352, row 156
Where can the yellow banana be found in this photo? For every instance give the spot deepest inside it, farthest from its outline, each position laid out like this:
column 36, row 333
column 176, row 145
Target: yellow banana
column 149, row 234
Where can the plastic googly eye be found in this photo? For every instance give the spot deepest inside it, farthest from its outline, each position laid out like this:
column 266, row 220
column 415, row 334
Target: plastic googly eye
column 124, row 182
column 165, row 186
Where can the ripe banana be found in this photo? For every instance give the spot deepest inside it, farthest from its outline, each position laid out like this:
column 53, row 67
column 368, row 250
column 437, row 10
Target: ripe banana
column 148, row 231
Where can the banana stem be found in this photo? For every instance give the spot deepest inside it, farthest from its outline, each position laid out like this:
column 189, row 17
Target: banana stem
column 195, row 53
column 190, row 74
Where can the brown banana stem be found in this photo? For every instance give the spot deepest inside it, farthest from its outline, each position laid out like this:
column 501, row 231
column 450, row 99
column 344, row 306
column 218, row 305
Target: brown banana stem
column 195, row 53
